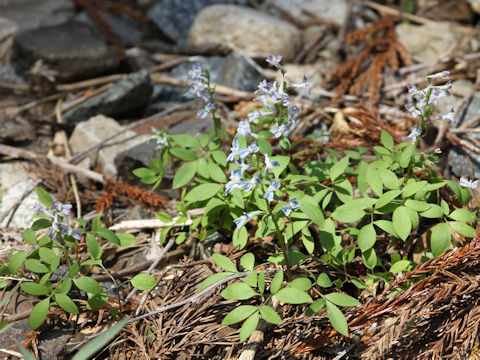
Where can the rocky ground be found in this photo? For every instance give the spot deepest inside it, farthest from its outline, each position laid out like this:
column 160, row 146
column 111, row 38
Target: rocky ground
column 82, row 83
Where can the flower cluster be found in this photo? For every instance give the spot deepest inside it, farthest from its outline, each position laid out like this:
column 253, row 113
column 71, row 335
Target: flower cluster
column 470, row 184
column 160, row 138
column 276, row 103
column 200, row 87
column 58, row 227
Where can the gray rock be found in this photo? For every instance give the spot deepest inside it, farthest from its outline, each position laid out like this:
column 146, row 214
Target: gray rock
column 52, row 342
column 232, row 71
column 71, row 49
column 14, row 172
column 33, row 14
column 327, row 10
column 255, row 33
column 126, row 96
column 15, row 128
column 96, row 129
column 22, row 216
column 173, row 18
column 8, row 30
column 460, row 165
column 124, row 27
column 429, row 42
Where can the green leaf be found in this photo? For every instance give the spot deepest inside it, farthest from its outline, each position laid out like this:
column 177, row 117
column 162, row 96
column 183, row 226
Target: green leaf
column 186, row 141
column 240, row 237
column 417, row 205
column 39, row 313
column 16, row 260
column 224, row 262
column 251, row 279
column 389, row 179
column 400, row 266
column 406, row 155
column 291, row 295
column 29, row 236
column 413, row 187
column 301, row 283
column 99, row 343
column 342, row 299
column 386, row 198
column 34, row 289
column 248, row 261
column 338, row 168
column 367, row 237
column 183, row 154
column 108, row 235
column 270, row 315
column 249, row 326
column 88, row 284
column 184, row 174
column 126, row 239
column 317, row 305
column 323, row 280
column 402, row 224
column 216, row 173
column 239, row 314
column 462, row 215
column 66, row 303
column 212, row 279
column 96, row 223
column 44, row 197
column 462, row 228
column 441, row 238
column 143, row 282
column 386, row 225
column 386, row 139
column 283, row 161
column 96, row 301
column 93, row 246
column 374, row 179
column 337, row 319
column 362, row 182
column 261, row 282
column 312, row 211
column 92, row 262
column 202, row 168
column 143, row 172
column 462, row 193
column 433, row 212
column 41, row 224
column 47, row 255
column 203, row 192
column 369, row 258
column 35, row 266
column 347, row 213
column 238, row 291
column 276, row 282
column 308, row 241
column 220, row 157
column 26, row 354
column 162, row 216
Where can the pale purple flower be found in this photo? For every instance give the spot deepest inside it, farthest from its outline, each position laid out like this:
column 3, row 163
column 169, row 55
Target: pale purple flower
column 291, row 205
column 196, row 73
column 270, row 164
column 55, row 228
column 39, row 209
column 159, row 138
column 415, row 133
column 440, row 75
column 253, row 148
column 66, row 209
column 305, row 84
column 471, row 184
column 450, row 116
column 206, row 110
column 415, row 112
column 275, row 61
column 292, row 112
column 198, row 89
column 243, row 129
column 75, row 233
column 235, row 182
column 258, row 114
column 250, row 184
column 242, row 220
column 266, row 88
column 278, row 131
column 264, row 99
column 274, row 186
column 242, row 166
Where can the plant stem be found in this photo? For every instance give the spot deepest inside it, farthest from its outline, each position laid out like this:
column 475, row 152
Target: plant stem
column 282, row 242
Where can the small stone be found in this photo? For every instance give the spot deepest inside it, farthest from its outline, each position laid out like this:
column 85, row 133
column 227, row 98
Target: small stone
column 126, row 96
column 232, row 71
column 8, row 30
column 14, row 172
column 70, row 49
column 15, row 128
column 256, row 34
column 173, row 18
column 327, row 10
column 475, row 4
column 429, row 42
column 33, row 14
column 96, row 129
column 22, row 216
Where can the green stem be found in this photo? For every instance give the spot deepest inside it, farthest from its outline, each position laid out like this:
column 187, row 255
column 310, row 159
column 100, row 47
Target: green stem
column 282, row 242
